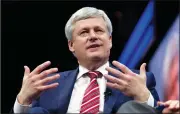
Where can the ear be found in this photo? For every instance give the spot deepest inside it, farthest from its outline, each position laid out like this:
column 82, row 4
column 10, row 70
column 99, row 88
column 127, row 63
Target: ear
column 110, row 42
column 70, row 45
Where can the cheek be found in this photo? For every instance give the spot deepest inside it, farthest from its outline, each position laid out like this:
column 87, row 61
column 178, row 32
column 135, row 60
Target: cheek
column 108, row 45
column 79, row 45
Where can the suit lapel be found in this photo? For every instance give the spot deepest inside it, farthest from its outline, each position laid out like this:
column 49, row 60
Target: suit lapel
column 110, row 99
column 67, row 83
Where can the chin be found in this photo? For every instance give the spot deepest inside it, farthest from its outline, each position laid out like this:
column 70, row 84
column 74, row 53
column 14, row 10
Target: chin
column 96, row 57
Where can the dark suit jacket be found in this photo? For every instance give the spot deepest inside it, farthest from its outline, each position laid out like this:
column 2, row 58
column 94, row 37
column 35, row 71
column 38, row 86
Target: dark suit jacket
column 56, row 101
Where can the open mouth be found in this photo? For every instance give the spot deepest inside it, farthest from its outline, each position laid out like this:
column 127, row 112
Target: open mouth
column 93, row 46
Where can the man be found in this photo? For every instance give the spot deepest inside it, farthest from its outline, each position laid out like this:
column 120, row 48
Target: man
column 96, row 85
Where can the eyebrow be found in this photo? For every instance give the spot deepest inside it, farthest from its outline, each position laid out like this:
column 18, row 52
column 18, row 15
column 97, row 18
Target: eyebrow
column 86, row 28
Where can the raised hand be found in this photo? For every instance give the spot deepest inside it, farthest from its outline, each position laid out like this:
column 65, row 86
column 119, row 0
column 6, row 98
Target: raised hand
column 35, row 82
column 171, row 106
column 128, row 82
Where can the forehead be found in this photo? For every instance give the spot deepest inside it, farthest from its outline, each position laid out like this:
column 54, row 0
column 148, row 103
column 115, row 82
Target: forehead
column 90, row 22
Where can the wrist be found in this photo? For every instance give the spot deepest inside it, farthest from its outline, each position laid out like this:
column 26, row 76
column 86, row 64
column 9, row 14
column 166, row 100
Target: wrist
column 23, row 100
column 143, row 96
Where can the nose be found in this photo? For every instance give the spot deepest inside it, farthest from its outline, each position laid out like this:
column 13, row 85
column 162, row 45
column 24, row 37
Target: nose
column 92, row 36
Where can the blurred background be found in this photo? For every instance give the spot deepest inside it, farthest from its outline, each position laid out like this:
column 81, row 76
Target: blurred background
column 143, row 31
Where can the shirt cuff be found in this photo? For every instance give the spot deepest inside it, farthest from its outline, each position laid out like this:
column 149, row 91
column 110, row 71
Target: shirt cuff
column 150, row 101
column 19, row 108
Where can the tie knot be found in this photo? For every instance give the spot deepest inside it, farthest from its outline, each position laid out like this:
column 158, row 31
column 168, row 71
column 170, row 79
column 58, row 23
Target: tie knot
column 94, row 74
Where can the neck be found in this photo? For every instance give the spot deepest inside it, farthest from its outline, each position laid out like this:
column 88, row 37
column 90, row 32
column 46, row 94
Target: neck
column 93, row 65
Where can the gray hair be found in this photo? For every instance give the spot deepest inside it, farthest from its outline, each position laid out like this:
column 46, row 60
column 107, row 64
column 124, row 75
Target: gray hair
column 84, row 13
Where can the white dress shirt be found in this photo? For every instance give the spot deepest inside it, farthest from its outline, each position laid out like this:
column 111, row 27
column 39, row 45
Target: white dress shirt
column 78, row 91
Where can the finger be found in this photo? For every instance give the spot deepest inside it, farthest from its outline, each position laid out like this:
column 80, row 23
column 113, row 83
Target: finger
column 159, row 103
column 50, row 86
column 41, row 67
column 26, row 70
column 49, row 79
column 114, row 80
column 167, row 103
column 47, row 72
column 116, row 72
column 166, row 111
column 172, row 105
column 114, row 85
column 44, row 74
column 123, row 68
column 177, row 105
column 143, row 70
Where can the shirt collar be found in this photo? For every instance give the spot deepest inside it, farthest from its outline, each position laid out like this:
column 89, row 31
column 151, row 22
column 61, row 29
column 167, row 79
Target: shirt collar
column 83, row 70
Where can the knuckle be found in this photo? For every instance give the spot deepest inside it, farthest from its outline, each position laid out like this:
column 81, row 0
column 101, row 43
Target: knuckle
column 123, row 68
column 122, row 65
column 134, row 74
column 31, row 80
column 116, row 85
column 129, row 79
column 124, row 88
column 38, row 88
column 35, row 85
column 119, row 73
column 125, row 85
column 118, row 82
column 114, row 79
column 30, row 75
column 48, row 79
column 45, row 72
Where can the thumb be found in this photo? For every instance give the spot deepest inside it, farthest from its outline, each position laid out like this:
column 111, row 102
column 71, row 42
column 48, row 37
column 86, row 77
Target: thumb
column 143, row 70
column 160, row 103
column 26, row 70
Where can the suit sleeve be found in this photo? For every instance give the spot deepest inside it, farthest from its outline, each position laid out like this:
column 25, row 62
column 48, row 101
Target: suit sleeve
column 151, row 84
column 20, row 109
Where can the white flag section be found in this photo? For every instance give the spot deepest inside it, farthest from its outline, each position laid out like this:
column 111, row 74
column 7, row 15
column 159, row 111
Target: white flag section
column 165, row 64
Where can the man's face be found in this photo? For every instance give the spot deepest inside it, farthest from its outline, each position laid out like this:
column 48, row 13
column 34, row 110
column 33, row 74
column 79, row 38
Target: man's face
column 90, row 40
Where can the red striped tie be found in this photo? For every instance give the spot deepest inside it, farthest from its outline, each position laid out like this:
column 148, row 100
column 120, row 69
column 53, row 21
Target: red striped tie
column 91, row 99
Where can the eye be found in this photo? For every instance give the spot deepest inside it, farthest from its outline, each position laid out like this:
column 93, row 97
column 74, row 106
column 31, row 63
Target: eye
column 99, row 31
column 84, row 33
